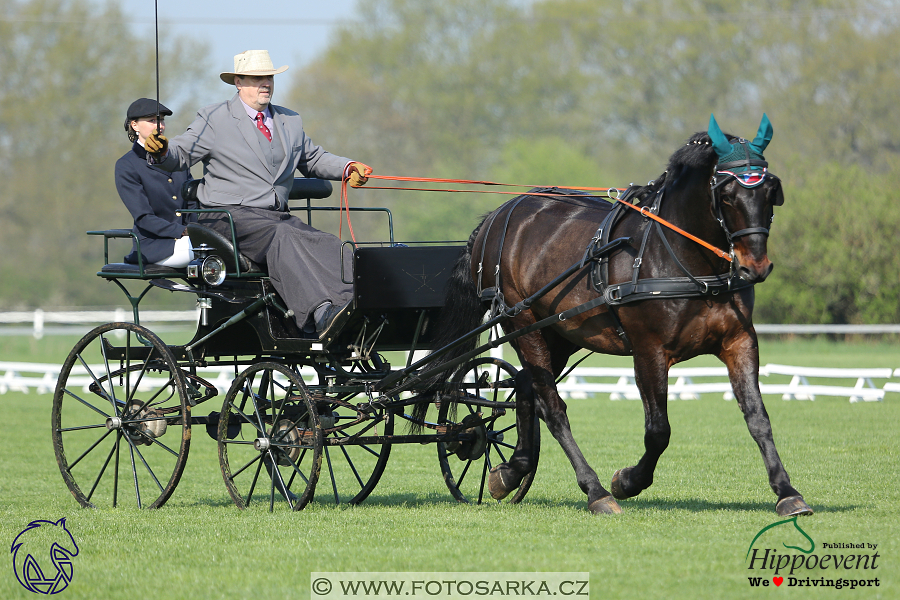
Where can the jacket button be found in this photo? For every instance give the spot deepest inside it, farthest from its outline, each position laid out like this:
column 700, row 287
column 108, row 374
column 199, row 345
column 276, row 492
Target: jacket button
column 174, row 197
column 170, row 181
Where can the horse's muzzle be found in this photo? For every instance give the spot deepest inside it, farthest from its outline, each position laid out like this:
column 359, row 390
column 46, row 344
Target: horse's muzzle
column 754, row 271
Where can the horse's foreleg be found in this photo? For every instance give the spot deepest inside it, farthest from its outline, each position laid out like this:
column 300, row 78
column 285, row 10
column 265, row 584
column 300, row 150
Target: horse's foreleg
column 742, row 360
column 507, row 476
column 651, row 377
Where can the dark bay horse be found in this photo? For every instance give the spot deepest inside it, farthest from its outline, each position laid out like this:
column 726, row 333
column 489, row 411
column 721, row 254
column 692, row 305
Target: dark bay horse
column 717, row 188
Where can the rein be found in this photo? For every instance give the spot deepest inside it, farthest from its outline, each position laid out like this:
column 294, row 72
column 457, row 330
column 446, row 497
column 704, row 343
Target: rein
column 345, row 202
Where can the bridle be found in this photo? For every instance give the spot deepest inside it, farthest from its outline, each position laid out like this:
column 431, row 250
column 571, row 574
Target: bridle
column 724, row 174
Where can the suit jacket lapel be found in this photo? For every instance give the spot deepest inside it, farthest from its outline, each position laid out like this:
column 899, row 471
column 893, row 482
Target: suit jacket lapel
column 246, row 127
column 284, row 135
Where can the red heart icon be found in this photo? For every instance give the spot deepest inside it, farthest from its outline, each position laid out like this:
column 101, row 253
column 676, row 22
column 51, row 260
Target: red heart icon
column 778, row 580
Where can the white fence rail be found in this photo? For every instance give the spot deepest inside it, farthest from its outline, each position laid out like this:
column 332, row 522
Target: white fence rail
column 39, row 319
column 686, row 383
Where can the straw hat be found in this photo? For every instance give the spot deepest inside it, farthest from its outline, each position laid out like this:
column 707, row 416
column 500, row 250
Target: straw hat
column 252, row 62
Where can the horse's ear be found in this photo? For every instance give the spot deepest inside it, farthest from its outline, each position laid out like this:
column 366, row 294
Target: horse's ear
column 763, row 136
column 720, row 143
column 776, row 193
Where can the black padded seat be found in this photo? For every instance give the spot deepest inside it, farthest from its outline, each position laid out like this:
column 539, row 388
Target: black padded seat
column 222, row 247
column 128, row 270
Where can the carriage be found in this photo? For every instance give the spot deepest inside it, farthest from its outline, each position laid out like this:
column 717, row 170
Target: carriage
column 556, row 269
column 301, row 412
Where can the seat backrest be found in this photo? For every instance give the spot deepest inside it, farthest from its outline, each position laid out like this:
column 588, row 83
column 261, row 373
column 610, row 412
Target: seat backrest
column 304, row 187
column 309, row 187
column 222, row 247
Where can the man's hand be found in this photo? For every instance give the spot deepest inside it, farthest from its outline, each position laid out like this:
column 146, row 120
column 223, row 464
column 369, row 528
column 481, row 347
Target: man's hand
column 358, row 173
column 156, row 144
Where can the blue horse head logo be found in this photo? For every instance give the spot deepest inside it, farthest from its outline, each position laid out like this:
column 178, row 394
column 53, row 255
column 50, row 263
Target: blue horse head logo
column 30, row 552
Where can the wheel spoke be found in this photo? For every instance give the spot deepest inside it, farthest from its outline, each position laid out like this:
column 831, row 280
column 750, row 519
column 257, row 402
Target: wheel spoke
column 241, row 470
column 137, row 487
column 484, row 471
column 100, row 474
column 353, row 468
column 85, row 402
column 337, row 499
column 255, row 479
column 86, row 452
column 100, row 390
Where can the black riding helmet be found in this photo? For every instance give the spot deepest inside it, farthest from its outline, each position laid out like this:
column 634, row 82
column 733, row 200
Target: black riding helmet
column 142, row 107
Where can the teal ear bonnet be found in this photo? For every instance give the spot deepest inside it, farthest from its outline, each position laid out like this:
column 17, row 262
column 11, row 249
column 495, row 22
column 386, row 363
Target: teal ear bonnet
column 743, row 155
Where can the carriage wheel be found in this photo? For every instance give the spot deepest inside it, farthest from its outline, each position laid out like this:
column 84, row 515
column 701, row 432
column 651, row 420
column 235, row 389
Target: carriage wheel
column 492, row 436
column 121, row 424
column 275, row 457
column 354, row 465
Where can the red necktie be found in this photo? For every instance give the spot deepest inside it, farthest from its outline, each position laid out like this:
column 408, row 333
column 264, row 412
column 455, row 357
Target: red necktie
column 262, row 126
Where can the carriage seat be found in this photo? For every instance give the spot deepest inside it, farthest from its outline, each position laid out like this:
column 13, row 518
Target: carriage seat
column 131, row 271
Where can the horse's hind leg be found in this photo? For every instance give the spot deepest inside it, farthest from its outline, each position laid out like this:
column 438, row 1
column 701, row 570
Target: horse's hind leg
column 651, row 377
column 741, row 356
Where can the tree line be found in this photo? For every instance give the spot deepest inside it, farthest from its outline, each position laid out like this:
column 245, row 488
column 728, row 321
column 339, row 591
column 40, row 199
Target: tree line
column 553, row 92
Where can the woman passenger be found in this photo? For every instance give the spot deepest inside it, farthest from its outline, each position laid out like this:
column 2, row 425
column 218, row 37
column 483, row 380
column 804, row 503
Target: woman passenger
column 152, row 195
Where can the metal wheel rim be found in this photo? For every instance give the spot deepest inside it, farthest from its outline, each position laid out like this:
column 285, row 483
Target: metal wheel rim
column 102, row 459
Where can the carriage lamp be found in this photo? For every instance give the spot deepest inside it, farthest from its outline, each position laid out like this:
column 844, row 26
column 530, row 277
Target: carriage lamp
column 211, row 269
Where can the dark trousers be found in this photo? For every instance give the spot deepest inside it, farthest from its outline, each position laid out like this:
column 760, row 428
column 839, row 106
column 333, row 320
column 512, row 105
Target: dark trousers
column 303, row 263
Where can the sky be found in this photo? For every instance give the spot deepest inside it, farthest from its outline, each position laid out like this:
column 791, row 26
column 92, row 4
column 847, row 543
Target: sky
column 294, row 32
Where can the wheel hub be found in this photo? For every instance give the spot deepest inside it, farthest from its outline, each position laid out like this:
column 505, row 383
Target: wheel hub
column 151, row 423
column 285, row 432
column 475, row 442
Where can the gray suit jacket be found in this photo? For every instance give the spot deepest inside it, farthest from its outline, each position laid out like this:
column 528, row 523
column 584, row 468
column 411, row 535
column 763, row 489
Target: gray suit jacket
column 234, row 168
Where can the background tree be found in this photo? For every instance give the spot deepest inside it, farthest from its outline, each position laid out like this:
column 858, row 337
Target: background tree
column 70, row 70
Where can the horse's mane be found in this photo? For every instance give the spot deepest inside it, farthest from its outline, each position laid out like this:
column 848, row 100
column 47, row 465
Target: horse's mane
column 697, row 153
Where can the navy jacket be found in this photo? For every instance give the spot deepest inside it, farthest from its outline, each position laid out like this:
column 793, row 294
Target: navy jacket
column 152, row 196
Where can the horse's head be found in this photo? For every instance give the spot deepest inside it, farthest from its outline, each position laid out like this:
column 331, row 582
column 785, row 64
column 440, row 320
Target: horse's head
column 744, row 197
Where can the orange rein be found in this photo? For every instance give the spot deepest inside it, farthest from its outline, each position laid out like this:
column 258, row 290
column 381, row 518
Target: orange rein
column 644, row 212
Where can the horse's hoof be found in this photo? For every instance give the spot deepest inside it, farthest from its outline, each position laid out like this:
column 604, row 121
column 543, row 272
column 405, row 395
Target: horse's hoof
column 605, row 506
column 792, row 505
column 616, row 486
column 498, row 488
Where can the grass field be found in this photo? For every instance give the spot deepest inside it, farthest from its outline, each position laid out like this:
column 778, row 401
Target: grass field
column 685, row 537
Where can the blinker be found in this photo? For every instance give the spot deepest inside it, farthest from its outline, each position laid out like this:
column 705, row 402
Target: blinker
column 747, row 179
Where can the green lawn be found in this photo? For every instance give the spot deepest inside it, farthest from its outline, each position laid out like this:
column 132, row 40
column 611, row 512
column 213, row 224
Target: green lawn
column 685, row 537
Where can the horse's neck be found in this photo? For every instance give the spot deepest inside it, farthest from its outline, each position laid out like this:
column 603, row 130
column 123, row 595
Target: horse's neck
column 688, row 205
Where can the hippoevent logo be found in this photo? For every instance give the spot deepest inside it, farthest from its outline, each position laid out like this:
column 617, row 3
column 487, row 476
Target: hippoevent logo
column 784, row 554
column 42, row 556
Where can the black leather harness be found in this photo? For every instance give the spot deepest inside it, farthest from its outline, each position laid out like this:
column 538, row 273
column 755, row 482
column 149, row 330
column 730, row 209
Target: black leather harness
column 599, row 251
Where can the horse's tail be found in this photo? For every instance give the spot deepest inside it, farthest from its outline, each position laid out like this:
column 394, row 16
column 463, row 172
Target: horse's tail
column 462, row 312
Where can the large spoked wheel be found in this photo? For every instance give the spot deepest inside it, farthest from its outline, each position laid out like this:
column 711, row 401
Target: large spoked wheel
column 356, row 449
column 121, row 424
column 490, row 432
column 274, row 456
